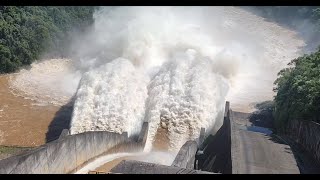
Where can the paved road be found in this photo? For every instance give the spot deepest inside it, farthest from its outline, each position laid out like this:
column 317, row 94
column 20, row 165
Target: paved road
column 256, row 151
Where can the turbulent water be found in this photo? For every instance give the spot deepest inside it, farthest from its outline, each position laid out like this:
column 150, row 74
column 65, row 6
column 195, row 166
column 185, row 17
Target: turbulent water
column 110, row 98
column 51, row 81
column 183, row 97
column 171, row 66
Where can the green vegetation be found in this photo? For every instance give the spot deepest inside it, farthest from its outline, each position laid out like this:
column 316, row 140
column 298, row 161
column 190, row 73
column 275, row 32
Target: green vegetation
column 7, row 151
column 265, row 106
column 298, row 91
column 27, row 32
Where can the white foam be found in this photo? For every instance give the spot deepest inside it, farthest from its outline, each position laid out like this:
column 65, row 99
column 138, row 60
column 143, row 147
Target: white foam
column 110, row 98
column 186, row 95
column 51, row 81
column 158, row 157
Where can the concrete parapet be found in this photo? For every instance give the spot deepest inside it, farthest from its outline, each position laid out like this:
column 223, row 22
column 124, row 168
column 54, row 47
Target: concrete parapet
column 186, row 156
column 226, row 109
column 68, row 153
column 137, row 167
column 307, row 134
column 143, row 133
column 214, row 154
column 65, row 132
column 201, row 137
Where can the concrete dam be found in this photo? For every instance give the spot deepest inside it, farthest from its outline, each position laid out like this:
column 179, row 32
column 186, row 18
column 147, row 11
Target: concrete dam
column 238, row 147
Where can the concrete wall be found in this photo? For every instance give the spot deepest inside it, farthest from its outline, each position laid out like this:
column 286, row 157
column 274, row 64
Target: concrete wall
column 214, row 155
column 186, row 156
column 144, row 133
column 201, row 137
column 307, row 134
column 137, row 167
column 68, row 153
column 235, row 143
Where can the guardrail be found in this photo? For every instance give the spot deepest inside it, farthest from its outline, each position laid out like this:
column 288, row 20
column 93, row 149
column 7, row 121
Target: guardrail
column 307, row 134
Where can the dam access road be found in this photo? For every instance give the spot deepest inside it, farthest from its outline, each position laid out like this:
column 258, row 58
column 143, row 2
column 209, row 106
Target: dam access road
column 256, row 151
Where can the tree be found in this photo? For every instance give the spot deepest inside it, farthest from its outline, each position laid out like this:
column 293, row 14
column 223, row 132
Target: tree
column 27, row 32
column 298, row 91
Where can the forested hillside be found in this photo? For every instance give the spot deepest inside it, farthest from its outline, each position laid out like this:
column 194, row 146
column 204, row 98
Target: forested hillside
column 27, row 32
column 298, row 91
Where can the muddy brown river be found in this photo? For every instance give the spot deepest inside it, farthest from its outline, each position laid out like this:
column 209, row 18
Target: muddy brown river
column 21, row 122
